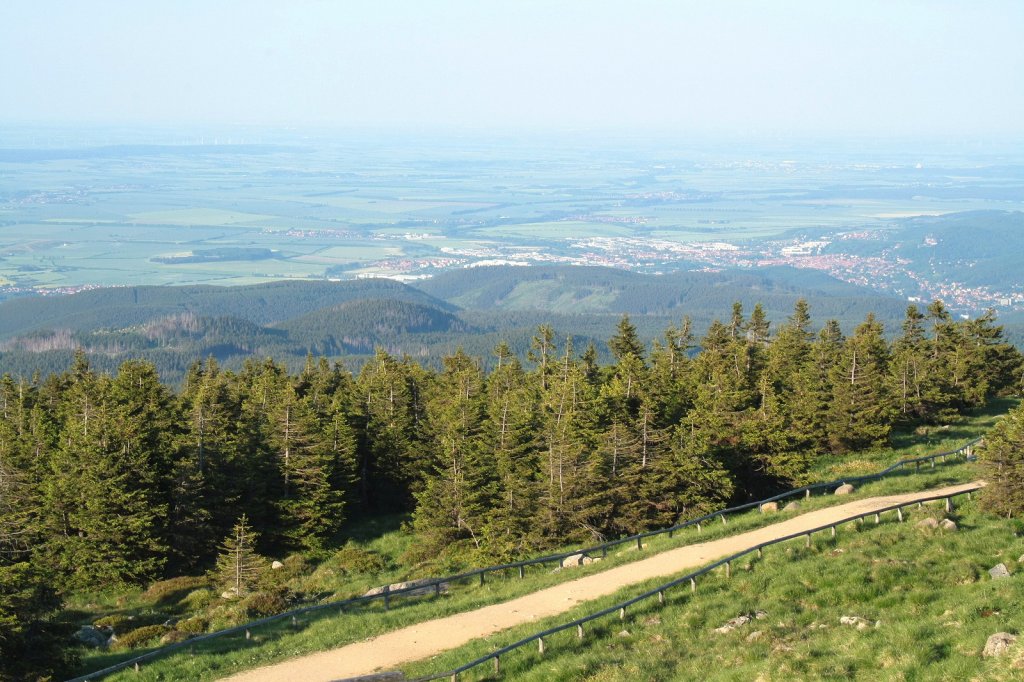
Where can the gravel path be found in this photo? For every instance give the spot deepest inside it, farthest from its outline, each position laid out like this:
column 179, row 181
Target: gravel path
column 422, row 640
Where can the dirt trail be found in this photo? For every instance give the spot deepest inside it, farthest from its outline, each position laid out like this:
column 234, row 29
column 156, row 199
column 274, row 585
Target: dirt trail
column 416, row 642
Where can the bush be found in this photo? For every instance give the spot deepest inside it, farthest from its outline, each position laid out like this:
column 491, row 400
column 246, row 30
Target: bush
column 197, row 600
column 266, row 603
column 174, row 589
column 352, row 559
column 139, row 636
column 1002, row 459
column 115, row 622
column 196, row 625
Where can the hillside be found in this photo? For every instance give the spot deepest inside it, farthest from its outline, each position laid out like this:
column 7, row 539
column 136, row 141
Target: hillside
column 702, row 295
column 262, row 304
column 974, row 248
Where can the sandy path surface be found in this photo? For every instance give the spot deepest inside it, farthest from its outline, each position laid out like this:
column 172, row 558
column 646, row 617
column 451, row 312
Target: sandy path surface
column 416, row 642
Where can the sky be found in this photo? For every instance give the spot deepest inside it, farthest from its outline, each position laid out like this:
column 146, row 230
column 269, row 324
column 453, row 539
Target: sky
column 875, row 67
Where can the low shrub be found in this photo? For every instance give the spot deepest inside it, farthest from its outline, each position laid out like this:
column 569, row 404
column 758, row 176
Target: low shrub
column 116, row 622
column 266, row 603
column 139, row 636
column 174, row 589
column 196, row 625
column 352, row 559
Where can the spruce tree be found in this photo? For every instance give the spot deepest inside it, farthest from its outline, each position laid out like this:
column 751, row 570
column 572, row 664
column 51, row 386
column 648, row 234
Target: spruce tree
column 861, row 411
column 239, row 567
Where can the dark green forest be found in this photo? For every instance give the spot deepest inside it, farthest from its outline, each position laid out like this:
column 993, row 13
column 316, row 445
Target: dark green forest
column 474, row 309
column 111, row 479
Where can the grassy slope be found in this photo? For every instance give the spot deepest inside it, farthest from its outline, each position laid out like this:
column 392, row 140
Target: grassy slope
column 929, row 590
column 329, row 629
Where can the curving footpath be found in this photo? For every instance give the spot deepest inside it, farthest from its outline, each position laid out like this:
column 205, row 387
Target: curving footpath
column 422, row 640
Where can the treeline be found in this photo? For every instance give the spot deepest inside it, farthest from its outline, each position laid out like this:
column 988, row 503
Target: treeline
column 108, row 480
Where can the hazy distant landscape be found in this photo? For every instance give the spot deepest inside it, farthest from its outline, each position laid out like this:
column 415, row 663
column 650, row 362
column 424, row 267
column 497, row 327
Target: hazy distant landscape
column 303, row 207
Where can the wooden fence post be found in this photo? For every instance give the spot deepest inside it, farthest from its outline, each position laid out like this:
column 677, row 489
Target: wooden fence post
column 622, row 613
column 728, row 569
column 759, row 553
column 661, row 596
column 387, row 597
column 481, row 578
column 521, row 571
column 899, row 514
column 808, row 495
column 877, row 519
column 497, row 666
column 638, row 545
column 698, row 526
column 540, row 645
column 833, row 531
column 693, row 585
column 723, row 518
column 949, row 504
column 579, row 631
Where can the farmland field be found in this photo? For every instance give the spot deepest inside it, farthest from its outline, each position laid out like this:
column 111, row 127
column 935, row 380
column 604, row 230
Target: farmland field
column 347, row 206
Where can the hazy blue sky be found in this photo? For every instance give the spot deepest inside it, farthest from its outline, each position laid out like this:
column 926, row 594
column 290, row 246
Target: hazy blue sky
column 860, row 66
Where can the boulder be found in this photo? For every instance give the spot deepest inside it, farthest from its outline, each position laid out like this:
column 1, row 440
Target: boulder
column 625, row 633
column 572, row 560
column 844, row 489
column 230, row 594
column 999, row 571
column 92, row 636
column 755, row 635
column 997, row 644
column 769, row 507
column 928, row 523
column 792, row 506
column 947, row 524
column 277, row 565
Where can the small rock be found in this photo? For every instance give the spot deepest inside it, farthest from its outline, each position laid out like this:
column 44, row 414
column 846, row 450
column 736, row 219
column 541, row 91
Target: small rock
column 228, row 595
column 1020, row 559
column 624, row 633
column 860, row 623
column 653, row 620
column 587, row 560
column 755, row 635
column 420, row 587
column 277, row 565
column 947, row 524
column 740, row 620
column 999, row 571
column 997, row 644
column 769, row 507
column 928, row 523
column 732, row 624
column 792, row 506
column 844, row 489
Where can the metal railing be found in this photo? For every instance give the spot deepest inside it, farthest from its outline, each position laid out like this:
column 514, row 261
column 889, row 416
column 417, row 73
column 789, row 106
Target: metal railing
column 421, row 586
column 690, row 579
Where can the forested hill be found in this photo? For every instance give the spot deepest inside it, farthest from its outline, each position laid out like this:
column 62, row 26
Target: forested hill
column 261, row 304
column 474, row 309
column 574, row 289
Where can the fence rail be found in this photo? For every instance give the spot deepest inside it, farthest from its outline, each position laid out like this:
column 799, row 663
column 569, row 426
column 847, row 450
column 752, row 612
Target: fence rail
column 386, row 595
column 690, row 579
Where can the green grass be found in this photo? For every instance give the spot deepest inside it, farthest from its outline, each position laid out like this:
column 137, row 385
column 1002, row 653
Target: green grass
column 328, row 629
column 928, row 589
